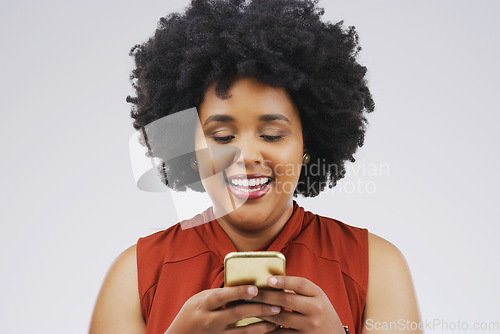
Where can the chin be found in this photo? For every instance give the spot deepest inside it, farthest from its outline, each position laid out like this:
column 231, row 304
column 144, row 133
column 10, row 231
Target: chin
column 248, row 217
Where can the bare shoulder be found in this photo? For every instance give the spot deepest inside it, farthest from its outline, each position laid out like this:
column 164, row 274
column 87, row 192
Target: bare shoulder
column 117, row 309
column 391, row 295
column 383, row 254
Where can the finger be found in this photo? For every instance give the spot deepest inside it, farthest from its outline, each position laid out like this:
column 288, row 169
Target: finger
column 217, row 298
column 291, row 301
column 284, row 331
column 292, row 320
column 260, row 327
column 247, row 310
column 300, row 285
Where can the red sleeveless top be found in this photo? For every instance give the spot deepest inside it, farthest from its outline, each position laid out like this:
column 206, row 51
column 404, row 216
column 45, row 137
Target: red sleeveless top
column 177, row 263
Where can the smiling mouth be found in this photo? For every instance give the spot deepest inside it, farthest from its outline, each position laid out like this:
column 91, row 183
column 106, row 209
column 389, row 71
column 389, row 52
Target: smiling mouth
column 251, row 184
column 249, row 187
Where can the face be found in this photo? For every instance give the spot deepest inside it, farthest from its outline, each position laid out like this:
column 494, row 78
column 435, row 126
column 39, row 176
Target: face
column 255, row 136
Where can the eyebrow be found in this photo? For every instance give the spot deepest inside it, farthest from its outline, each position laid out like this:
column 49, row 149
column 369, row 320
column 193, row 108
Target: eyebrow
column 263, row 118
column 218, row 118
column 274, row 117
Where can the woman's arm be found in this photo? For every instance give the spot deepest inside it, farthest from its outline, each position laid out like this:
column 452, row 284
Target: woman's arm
column 391, row 304
column 118, row 307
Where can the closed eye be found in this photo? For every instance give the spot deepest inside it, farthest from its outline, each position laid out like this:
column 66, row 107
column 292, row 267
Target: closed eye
column 223, row 140
column 271, row 138
column 228, row 139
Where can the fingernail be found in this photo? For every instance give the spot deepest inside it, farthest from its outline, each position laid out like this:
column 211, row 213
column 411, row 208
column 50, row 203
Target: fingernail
column 272, row 281
column 275, row 309
column 252, row 291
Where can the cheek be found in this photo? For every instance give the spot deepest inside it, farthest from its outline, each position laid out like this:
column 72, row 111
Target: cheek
column 286, row 177
column 202, row 155
column 288, row 170
column 287, row 162
column 199, row 139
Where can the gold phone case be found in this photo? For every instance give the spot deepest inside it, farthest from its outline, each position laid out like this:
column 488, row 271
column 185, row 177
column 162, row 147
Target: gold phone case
column 254, row 268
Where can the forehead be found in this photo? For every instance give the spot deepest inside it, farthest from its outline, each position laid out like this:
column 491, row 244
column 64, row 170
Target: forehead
column 248, row 98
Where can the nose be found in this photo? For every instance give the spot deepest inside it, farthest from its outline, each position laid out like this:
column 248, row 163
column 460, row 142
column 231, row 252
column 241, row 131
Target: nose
column 250, row 152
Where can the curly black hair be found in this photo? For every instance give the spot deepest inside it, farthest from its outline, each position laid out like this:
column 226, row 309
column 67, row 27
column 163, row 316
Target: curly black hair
column 281, row 43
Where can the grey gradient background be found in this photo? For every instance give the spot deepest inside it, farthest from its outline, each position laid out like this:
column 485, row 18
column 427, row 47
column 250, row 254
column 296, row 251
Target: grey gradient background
column 69, row 205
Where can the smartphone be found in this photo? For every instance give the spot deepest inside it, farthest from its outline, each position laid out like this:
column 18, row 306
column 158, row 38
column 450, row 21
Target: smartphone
column 252, row 268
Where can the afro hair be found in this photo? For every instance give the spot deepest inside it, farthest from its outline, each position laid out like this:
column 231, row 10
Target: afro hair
column 281, row 43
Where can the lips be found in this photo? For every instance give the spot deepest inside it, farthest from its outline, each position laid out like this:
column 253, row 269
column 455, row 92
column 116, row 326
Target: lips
column 252, row 186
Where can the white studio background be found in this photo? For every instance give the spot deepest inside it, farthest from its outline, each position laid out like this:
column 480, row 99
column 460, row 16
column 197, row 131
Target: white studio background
column 426, row 178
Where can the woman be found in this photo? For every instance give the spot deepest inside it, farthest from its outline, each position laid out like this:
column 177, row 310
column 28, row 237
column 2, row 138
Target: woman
column 284, row 88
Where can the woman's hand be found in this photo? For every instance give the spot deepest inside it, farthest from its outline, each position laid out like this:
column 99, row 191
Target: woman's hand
column 311, row 310
column 203, row 312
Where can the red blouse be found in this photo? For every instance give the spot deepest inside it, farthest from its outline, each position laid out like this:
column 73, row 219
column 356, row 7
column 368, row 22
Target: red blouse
column 177, row 263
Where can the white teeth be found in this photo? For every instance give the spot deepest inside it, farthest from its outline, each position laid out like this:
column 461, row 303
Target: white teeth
column 249, row 183
column 260, row 180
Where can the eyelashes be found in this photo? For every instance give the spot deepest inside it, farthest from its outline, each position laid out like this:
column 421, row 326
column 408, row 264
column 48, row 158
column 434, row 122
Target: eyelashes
column 271, row 138
column 223, row 140
column 228, row 139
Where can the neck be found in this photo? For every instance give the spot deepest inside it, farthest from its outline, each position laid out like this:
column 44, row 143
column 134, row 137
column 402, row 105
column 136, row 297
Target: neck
column 249, row 240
